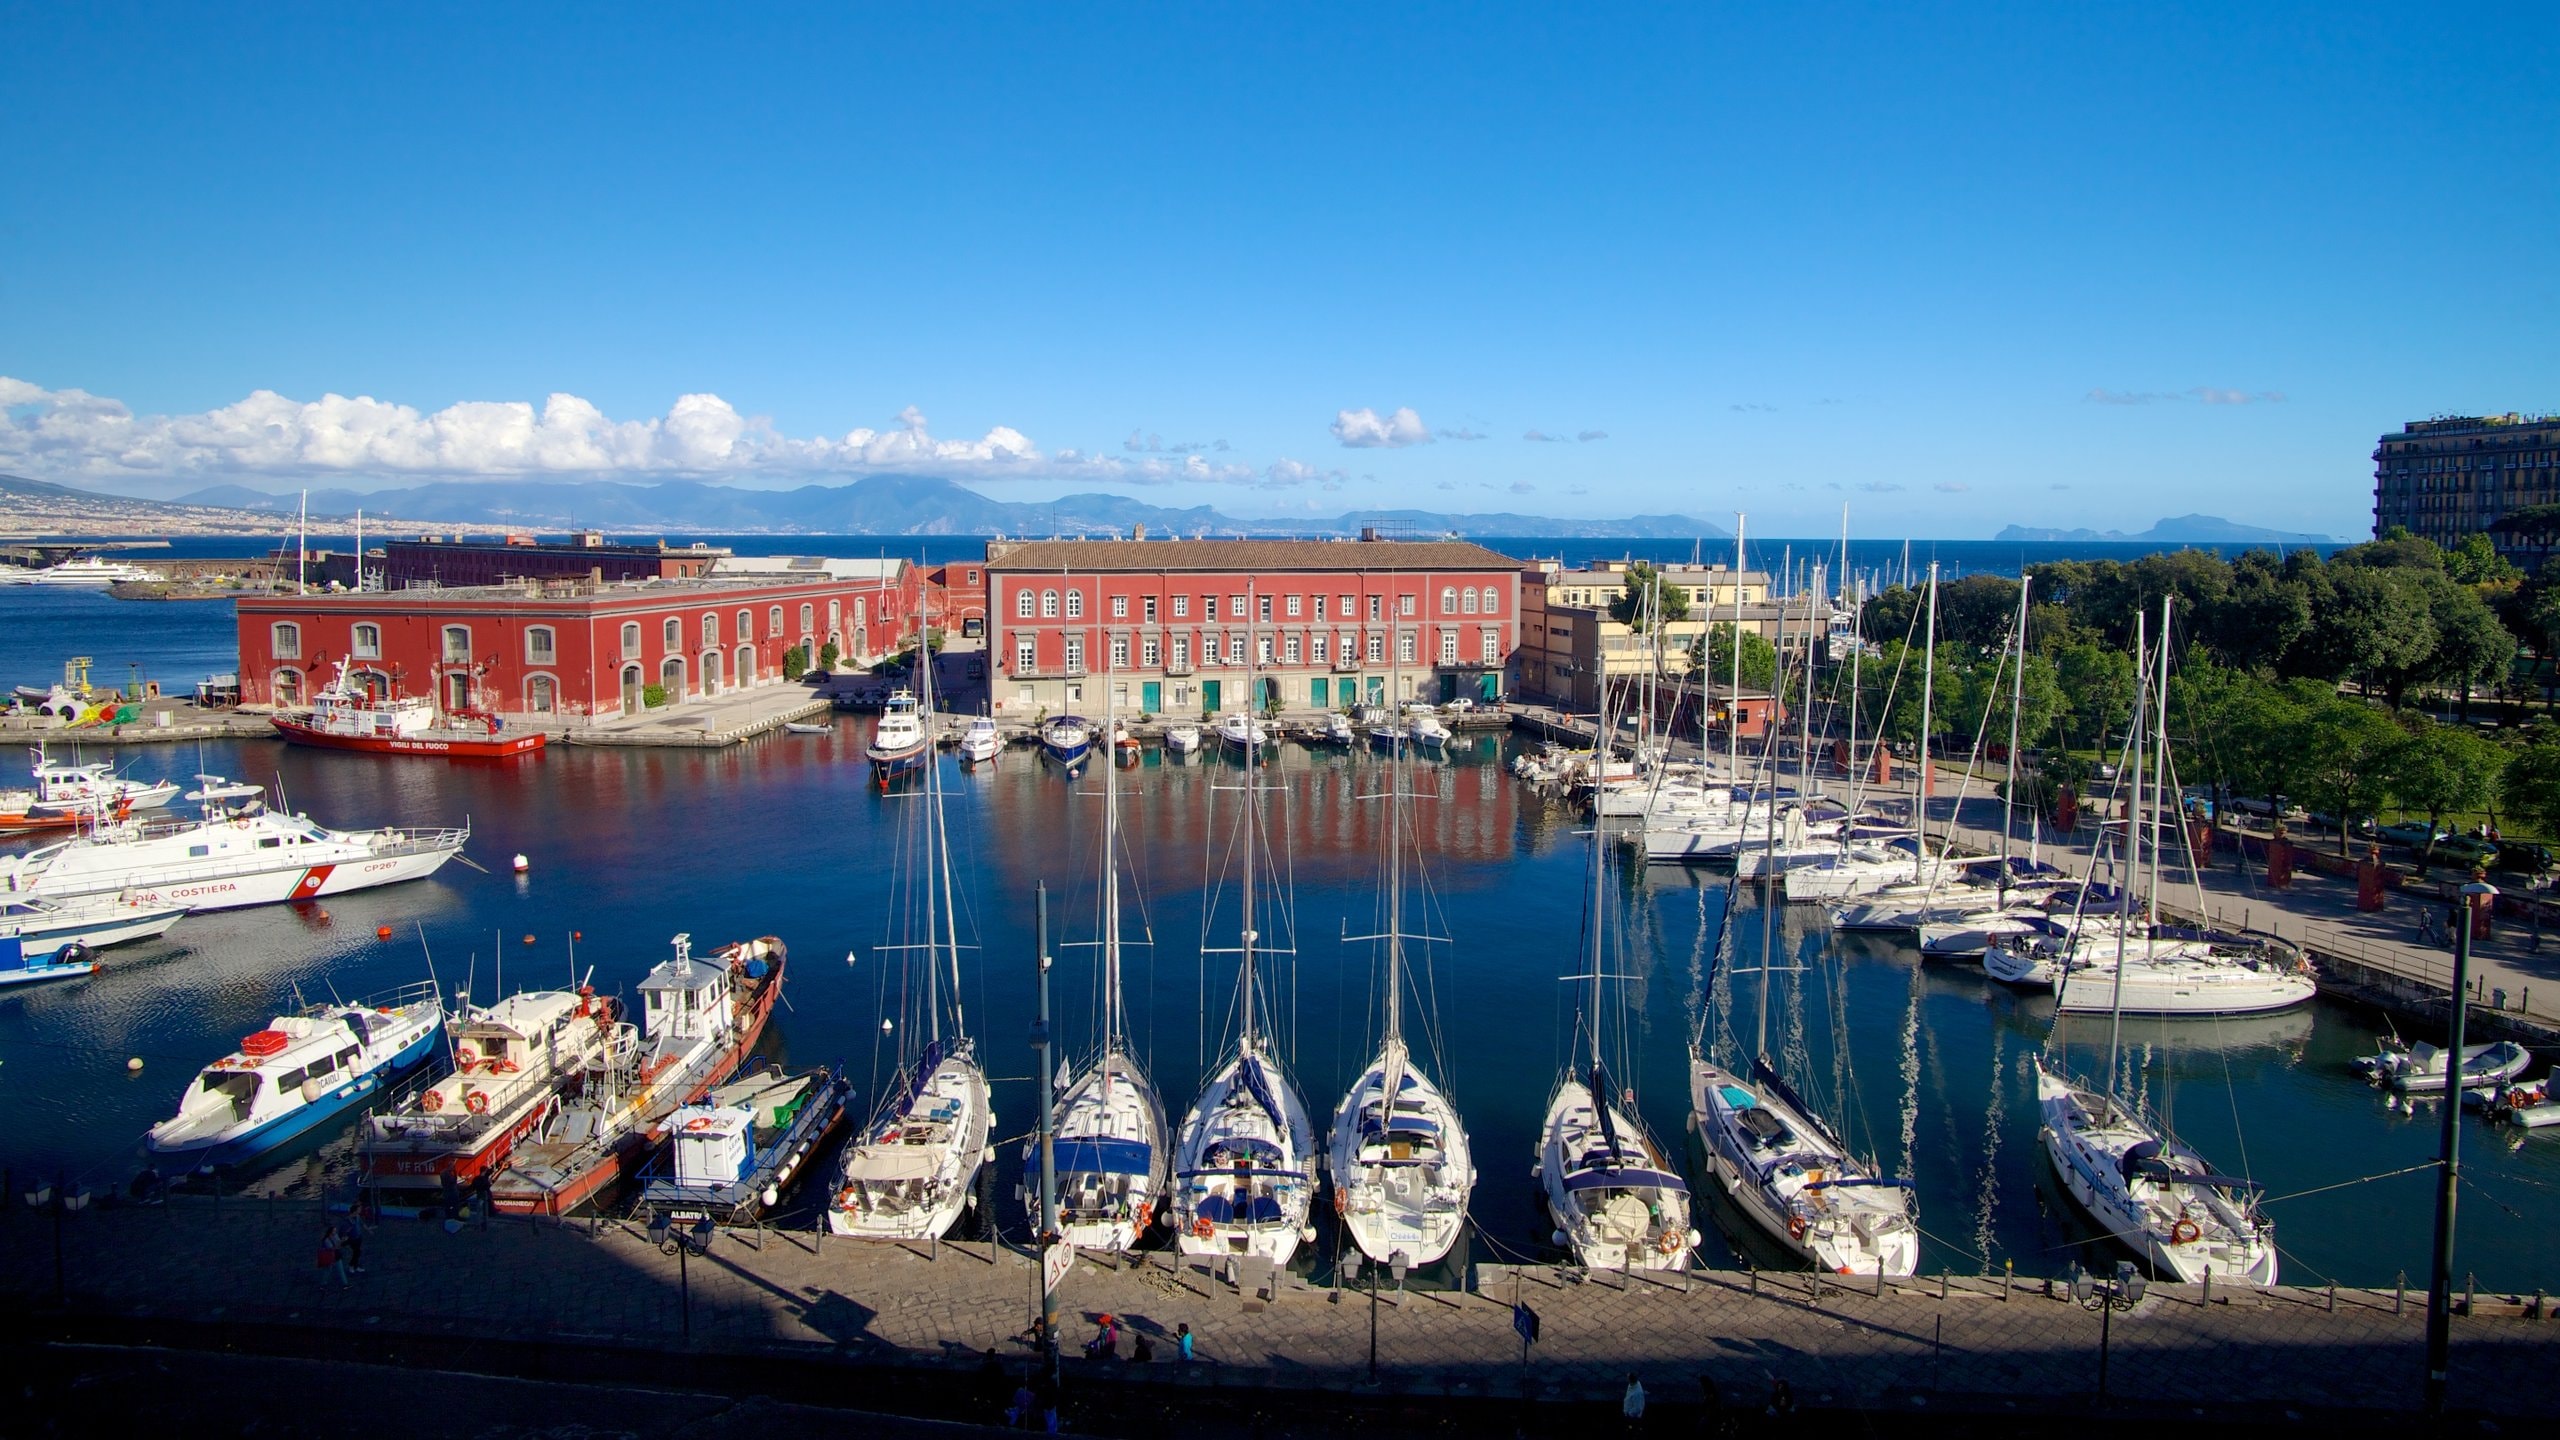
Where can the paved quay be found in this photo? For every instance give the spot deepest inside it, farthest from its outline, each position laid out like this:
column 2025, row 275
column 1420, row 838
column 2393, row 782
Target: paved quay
column 1939, row 1346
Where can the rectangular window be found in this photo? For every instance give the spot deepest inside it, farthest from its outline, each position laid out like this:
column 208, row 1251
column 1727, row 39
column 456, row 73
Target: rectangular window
column 1150, row 653
column 1319, row 607
column 1211, row 647
column 538, row 647
column 1377, row 645
column 1075, row 653
column 1026, row 654
column 1262, row 651
column 457, row 644
column 1374, row 603
column 1235, row 606
column 1119, row 607
column 1264, row 611
column 1119, row 652
column 368, row 642
column 1448, row 647
column 1208, row 607
column 1404, row 604
column 287, row 641
column 1404, row 648
column 1181, row 606
column 1289, row 650
column 1181, row 652
column 1151, row 609
column 1323, row 647
column 1294, row 602
column 1492, row 646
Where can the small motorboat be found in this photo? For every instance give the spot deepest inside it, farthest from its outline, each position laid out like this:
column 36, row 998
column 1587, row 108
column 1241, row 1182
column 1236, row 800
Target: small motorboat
column 298, row 1073
column 1429, row 735
column 802, row 727
column 2421, row 1069
column 1182, row 739
column 1334, row 729
column 1242, row 733
column 1067, row 739
column 60, row 939
column 2530, row 1106
column 980, row 743
column 1125, row 749
column 741, row 1149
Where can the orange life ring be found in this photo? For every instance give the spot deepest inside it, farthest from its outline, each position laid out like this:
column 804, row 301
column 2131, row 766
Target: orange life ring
column 477, row 1102
column 845, row 1198
column 699, row 1123
column 1203, row 1228
column 2185, row 1232
column 1795, row 1227
column 1669, row 1243
column 432, row 1101
column 503, row 1067
column 465, row 1056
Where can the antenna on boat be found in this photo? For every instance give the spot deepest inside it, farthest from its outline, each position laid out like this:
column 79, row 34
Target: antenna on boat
column 500, row 941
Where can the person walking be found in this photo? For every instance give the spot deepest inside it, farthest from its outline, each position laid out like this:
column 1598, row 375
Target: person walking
column 1631, row 1409
column 351, row 1235
column 332, row 1260
column 1182, row 1339
column 1141, row 1349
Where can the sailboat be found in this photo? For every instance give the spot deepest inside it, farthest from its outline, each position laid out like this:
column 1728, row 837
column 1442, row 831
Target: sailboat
column 1783, row 1166
column 1610, row 1189
column 1107, row 1121
column 2148, row 1190
column 1243, row 1166
column 1399, row 1161
column 913, row 1168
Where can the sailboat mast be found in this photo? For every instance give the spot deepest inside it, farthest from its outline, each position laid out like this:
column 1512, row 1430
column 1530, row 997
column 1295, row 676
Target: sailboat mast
column 2017, row 702
column 2160, row 769
column 1395, row 896
column 1598, row 867
column 949, row 918
column 1252, row 823
column 1733, row 698
column 1113, row 1022
column 2133, row 858
column 1928, row 697
column 1770, row 893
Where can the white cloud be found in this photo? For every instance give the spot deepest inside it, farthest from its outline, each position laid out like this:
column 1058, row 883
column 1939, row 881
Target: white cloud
column 1464, row 432
column 74, row 435
column 1588, row 436
column 1365, row 429
column 1951, row 487
column 2211, row 396
column 1522, row 487
column 1542, row 437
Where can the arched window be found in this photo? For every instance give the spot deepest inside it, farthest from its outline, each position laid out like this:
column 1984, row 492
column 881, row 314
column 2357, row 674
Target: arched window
column 288, row 686
column 540, row 646
column 541, row 695
column 1448, row 599
column 773, row 623
column 1492, row 601
column 1075, row 604
column 808, row 619
column 286, row 638
column 1467, row 599
column 1048, row 604
column 367, row 641
column 457, row 644
column 710, row 635
column 673, row 639
column 746, row 624
column 630, row 638
column 1022, row 603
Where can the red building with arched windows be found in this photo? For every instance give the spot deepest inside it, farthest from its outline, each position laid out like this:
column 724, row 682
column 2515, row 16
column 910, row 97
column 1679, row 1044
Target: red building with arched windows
column 558, row 649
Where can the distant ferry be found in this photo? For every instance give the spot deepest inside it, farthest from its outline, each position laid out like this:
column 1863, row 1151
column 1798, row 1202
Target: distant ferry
column 346, row 717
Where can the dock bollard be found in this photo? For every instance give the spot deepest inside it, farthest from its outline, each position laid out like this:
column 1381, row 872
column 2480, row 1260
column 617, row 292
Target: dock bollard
column 2470, row 1285
column 2008, row 1278
column 2400, row 1293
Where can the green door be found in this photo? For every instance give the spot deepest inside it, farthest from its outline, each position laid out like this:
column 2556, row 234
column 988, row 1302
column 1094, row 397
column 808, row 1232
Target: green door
column 1377, row 689
column 1448, row 688
column 1209, row 695
column 1270, row 695
column 1316, row 689
column 1151, row 697
column 1489, row 686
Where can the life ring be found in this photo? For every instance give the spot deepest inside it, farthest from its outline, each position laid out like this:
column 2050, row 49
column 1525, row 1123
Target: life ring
column 2185, row 1232
column 2518, row 1098
column 698, row 1124
column 503, row 1067
column 1670, row 1242
column 1341, row 1205
column 477, row 1102
column 1203, row 1228
column 845, row 1198
column 1795, row 1227
column 432, row 1101
column 465, row 1056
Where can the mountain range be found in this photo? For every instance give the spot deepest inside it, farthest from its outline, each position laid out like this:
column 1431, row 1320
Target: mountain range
column 893, row 505
column 2176, row 530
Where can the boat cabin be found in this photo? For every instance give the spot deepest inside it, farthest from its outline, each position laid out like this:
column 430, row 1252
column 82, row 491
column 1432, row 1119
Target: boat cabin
column 284, row 1065
column 685, row 998
column 714, row 1144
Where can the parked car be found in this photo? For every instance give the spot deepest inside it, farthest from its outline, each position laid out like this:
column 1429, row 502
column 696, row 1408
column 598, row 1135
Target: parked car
column 2264, row 808
column 2411, row 834
column 2522, row 857
column 1459, row 706
column 2464, row 850
column 2362, row 827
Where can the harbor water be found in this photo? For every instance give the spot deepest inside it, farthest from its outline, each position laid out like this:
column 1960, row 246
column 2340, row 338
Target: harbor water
column 1926, row 1068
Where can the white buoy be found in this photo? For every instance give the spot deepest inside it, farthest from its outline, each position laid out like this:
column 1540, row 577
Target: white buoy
column 134, row 1064
column 522, row 864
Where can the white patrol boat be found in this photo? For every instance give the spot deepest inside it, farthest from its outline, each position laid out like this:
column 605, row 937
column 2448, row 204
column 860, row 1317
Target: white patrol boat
column 248, row 856
column 297, row 1074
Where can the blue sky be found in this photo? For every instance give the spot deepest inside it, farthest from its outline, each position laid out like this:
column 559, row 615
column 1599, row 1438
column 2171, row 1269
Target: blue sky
column 1953, row 266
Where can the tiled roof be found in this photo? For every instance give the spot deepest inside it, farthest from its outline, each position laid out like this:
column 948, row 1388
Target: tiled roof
column 1264, row 555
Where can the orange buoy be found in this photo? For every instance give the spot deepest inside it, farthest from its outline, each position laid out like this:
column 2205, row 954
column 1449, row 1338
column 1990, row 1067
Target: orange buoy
column 528, row 939
column 381, row 932
column 577, row 934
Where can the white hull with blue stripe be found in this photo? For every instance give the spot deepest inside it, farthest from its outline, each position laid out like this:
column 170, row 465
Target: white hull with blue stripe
column 293, row 1077
column 1244, row 1173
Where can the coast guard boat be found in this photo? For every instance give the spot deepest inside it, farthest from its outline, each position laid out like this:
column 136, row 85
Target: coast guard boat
column 233, row 857
column 297, row 1074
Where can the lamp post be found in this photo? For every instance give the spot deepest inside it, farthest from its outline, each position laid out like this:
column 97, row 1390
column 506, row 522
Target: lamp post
column 2122, row 1291
column 2449, row 1163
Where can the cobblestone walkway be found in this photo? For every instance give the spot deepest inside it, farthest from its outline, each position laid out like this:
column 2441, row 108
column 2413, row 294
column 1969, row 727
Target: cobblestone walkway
column 1918, row 1345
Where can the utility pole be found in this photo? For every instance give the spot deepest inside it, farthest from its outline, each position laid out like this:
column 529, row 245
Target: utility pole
column 2449, row 1164
column 1040, row 1042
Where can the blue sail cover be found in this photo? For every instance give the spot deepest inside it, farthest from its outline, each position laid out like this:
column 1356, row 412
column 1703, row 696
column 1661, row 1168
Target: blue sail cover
column 1625, row 1179
column 1249, row 1071
column 926, row 1064
column 1102, row 1156
column 1600, row 1105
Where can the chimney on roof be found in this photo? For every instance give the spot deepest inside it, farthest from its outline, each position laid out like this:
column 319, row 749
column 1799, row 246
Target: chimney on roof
column 1138, row 531
column 1368, row 532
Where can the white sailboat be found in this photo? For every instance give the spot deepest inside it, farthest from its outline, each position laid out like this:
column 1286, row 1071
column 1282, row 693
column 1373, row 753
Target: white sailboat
column 1611, row 1190
column 1399, row 1160
column 1244, row 1163
column 1782, row 1165
column 2149, row 1191
column 1107, row 1120
column 912, row 1171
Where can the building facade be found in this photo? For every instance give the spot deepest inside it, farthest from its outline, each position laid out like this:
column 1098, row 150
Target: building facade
column 1571, row 640
column 2452, row 477
column 563, row 649
column 429, row 561
column 1169, row 624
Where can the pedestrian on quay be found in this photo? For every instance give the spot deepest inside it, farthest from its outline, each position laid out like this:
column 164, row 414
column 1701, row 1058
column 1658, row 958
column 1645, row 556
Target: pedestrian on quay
column 333, row 1261
column 1141, row 1349
column 480, row 1197
column 352, row 1233
column 1632, row 1407
column 1182, row 1339
column 1046, row 1398
column 1105, row 1344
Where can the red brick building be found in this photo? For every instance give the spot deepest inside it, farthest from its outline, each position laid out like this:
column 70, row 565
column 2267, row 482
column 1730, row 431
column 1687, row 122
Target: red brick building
column 1333, row 623
column 566, row 648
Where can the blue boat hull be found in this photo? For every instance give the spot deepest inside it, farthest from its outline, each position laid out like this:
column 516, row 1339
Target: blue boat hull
column 1065, row 754
column 900, row 762
column 285, row 1129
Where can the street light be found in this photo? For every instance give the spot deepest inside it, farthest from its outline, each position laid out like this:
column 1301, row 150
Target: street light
column 2121, row 1292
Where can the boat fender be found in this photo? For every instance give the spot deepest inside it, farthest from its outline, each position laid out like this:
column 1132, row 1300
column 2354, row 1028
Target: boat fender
column 477, row 1102
column 311, row 1091
column 772, row 1195
column 1341, row 1205
column 2185, row 1232
column 1795, row 1227
column 432, row 1101
column 1203, row 1228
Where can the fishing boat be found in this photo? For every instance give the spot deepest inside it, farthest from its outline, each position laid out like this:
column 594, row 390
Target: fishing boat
column 980, row 743
column 1429, row 735
column 1333, row 730
column 347, row 716
column 699, row 1019
column 1108, row 1143
column 1401, row 1167
column 36, row 933
column 2146, row 1189
column 1242, row 734
column 300, row 1072
column 231, row 858
column 1066, row 739
column 1611, row 1191
column 732, row 1157
column 1182, row 739
column 899, row 745
column 1244, row 1162
column 514, row 1064
column 912, row 1169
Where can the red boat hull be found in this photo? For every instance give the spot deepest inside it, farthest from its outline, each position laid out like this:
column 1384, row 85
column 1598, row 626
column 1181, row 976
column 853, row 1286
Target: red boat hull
column 501, row 746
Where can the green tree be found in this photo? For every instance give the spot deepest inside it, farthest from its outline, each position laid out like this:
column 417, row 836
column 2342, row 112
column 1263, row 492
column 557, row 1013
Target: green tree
column 2097, row 688
column 2437, row 769
column 2476, row 561
column 828, row 655
column 2530, row 786
column 2265, row 611
column 1977, row 610
column 2344, row 754
column 2471, row 647
column 794, row 663
column 2376, row 629
column 1892, row 615
column 1713, row 651
column 1647, row 597
column 2238, row 730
